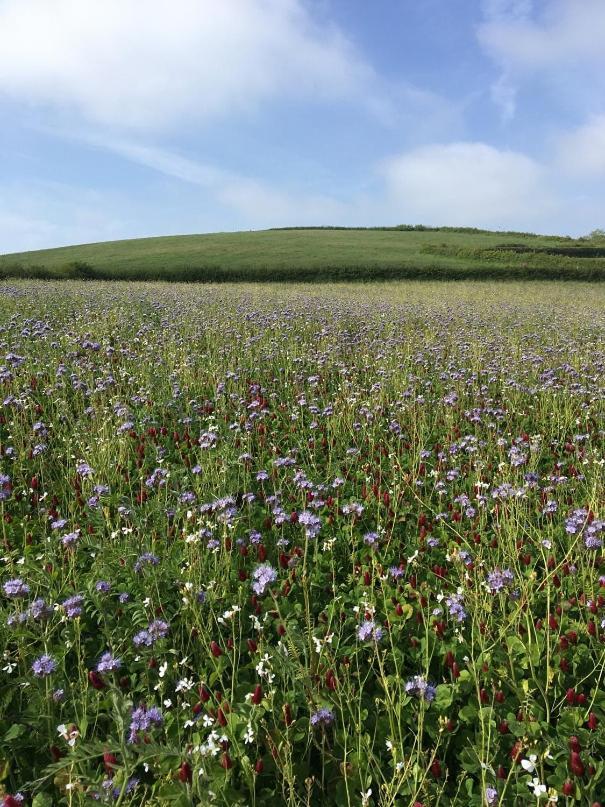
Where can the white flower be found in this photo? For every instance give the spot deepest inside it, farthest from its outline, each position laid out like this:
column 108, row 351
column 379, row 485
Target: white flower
column 538, row 788
column 529, row 765
column 163, row 668
column 184, row 684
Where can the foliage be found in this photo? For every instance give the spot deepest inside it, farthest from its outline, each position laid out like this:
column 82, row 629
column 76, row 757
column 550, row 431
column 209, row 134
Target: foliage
column 320, row 254
column 302, row 545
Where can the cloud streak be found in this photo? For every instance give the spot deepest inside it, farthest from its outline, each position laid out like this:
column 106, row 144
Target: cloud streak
column 166, row 63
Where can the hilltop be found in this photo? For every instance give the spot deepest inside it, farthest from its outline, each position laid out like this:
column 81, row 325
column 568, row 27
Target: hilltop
column 321, row 254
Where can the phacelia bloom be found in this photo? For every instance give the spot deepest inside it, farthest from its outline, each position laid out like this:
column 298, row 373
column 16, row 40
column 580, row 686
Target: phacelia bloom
column 107, row 663
column 102, row 586
column 455, row 604
column 370, row 538
column 43, row 666
column 131, row 785
column 146, row 559
column 498, row 580
column 491, row 796
column 73, row 606
column 420, row 687
column 39, row 610
column 142, row 719
column 262, row 577
column 322, row 717
column 369, row 631
column 70, row 538
column 58, row 695
column 310, row 522
column 395, row 572
column 157, row 478
column 15, row 588
column 83, row 469
column 575, row 521
column 157, row 629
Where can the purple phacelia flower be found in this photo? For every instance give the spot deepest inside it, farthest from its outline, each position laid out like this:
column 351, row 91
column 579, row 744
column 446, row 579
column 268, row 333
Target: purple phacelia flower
column 262, row 577
column 107, row 663
column 419, row 686
column 15, row 588
column 369, row 631
column 322, row 717
column 43, row 666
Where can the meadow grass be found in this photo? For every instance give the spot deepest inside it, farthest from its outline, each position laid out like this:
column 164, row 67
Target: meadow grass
column 315, row 255
column 302, row 545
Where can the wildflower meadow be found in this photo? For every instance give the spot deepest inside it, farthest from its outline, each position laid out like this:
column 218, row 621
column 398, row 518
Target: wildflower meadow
column 328, row 545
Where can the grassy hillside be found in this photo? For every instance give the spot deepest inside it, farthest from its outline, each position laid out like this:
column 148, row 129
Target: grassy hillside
column 319, row 254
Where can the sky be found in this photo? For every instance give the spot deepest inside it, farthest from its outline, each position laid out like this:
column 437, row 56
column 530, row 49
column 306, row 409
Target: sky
column 132, row 118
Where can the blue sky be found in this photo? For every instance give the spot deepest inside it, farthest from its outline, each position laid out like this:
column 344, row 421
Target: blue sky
column 127, row 118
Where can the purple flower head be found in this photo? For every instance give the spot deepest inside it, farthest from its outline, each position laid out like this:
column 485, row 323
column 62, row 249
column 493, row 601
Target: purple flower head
column 43, row 666
column 455, row 604
column 70, row 538
column 83, row 469
column 369, row 631
column 142, row 719
column 15, row 588
column 310, row 522
column 262, row 577
column 498, row 580
column 146, row 559
column 102, row 586
column 322, row 717
column 157, row 478
column 158, row 629
column 39, row 610
column 107, row 663
column 371, row 538
column 419, row 686
column 491, row 797
column 73, row 606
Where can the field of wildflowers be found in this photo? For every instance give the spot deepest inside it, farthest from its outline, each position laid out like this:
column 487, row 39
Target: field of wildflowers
column 302, row 546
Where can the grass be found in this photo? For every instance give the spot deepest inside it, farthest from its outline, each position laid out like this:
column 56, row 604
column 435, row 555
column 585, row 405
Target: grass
column 316, row 254
column 306, row 545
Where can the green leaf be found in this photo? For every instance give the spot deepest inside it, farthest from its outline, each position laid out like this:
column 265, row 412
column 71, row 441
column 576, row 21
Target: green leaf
column 444, row 697
column 16, row 730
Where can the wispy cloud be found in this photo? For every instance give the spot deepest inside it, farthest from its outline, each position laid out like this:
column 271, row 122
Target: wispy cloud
column 167, row 63
column 582, row 150
column 559, row 44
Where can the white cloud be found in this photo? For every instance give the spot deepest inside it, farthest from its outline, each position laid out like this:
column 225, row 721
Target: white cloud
column 567, row 32
column 468, row 184
column 164, row 63
column 582, row 151
column 562, row 46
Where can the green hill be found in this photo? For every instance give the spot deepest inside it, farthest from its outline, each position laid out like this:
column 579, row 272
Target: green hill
column 323, row 253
